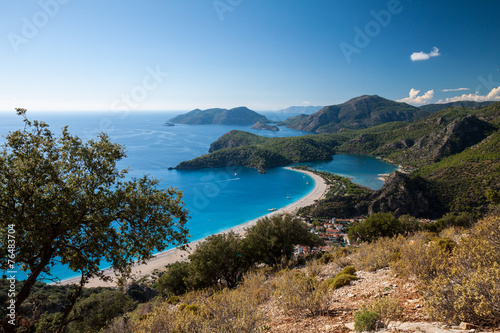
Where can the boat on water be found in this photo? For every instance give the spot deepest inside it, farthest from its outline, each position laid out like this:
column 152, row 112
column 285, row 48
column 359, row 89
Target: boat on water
column 272, row 209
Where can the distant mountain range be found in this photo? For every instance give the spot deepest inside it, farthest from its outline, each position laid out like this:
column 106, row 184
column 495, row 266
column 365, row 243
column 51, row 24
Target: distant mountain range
column 236, row 116
column 357, row 113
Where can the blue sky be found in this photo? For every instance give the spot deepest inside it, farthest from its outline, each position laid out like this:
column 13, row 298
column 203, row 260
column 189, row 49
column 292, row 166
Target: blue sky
column 264, row 54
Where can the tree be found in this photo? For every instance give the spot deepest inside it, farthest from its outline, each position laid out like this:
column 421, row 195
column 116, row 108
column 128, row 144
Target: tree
column 219, row 258
column 376, row 226
column 66, row 202
column 175, row 280
column 273, row 238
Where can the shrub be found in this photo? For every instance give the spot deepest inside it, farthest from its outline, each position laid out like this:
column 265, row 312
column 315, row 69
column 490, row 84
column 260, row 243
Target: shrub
column 340, row 280
column 421, row 257
column 387, row 308
column 378, row 254
column 376, row 226
column 173, row 300
column 231, row 311
column 349, row 270
column 468, row 286
column 365, row 320
column 299, row 294
column 446, row 244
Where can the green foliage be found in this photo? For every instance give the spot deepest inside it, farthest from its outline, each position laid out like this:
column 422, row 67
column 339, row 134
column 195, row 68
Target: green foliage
column 493, row 196
column 94, row 312
column 175, row 280
column 365, row 320
column 349, row 270
column 220, row 257
column 376, row 226
column 463, row 220
column 238, row 148
column 273, row 238
column 341, row 280
column 173, row 300
column 68, row 203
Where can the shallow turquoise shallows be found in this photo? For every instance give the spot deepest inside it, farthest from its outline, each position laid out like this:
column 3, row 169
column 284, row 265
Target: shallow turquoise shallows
column 217, row 199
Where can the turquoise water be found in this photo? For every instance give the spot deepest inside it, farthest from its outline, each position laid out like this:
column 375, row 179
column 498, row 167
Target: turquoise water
column 217, row 199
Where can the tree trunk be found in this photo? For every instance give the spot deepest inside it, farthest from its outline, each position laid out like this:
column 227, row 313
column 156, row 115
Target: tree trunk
column 25, row 291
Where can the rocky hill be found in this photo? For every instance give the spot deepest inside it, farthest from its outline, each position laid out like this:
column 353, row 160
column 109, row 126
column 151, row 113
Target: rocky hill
column 235, row 116
column 262, row 126
column 360, row 112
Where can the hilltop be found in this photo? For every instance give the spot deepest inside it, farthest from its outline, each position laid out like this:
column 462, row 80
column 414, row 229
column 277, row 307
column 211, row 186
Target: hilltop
column 236, row 116
column 357, row 113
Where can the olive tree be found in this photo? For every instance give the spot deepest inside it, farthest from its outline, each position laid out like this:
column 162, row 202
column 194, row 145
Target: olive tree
column 65, row 201
column 273, row 238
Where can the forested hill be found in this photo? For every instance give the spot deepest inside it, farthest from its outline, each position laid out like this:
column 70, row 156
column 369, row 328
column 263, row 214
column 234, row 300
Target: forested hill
column 235, row 116
column 240, row 148
column 358, row 113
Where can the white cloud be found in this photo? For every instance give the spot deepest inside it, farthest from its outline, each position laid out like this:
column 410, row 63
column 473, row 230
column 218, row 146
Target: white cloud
column 494, row 95
column 306, row 103
column 458, row 89
column 415, row 99
column 417, row 56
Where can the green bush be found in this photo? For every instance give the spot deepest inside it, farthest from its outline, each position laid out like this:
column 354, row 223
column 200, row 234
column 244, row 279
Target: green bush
column 387, row 308
column 366, row 320
column 174, row 300
column 349, row 270
column 340, row 280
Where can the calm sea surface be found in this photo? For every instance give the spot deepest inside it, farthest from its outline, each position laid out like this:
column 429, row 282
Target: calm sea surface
column 217, row 199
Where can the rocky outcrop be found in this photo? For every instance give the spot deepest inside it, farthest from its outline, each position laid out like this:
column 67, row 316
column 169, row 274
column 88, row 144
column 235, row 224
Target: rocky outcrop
column 263, row 126
column 404, row 194
column 449, row 140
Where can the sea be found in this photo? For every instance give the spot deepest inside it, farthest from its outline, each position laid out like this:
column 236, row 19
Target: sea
column 217, row 199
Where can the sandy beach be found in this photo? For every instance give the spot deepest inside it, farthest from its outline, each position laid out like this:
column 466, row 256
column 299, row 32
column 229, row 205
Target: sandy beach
column 160, row 260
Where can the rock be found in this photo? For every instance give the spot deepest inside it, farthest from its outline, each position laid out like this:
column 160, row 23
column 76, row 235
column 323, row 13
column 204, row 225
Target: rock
column 350, row 326
column 466, row 326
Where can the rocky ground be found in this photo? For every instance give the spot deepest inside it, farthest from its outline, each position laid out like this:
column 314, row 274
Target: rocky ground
column 346, row 300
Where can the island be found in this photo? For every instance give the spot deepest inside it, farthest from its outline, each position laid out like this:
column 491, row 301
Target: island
column 236, row 116
column 263, row 126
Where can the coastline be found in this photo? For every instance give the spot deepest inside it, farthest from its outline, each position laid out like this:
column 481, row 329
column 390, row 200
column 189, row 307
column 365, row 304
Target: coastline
column 160, row 260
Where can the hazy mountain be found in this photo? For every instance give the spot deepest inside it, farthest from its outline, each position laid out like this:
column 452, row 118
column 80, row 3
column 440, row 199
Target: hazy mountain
column 236, row 116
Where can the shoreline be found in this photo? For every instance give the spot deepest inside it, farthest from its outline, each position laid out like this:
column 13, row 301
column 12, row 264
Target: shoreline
column 161, row 259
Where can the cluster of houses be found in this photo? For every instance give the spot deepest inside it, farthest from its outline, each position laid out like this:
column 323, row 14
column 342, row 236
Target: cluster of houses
column 332, row 231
